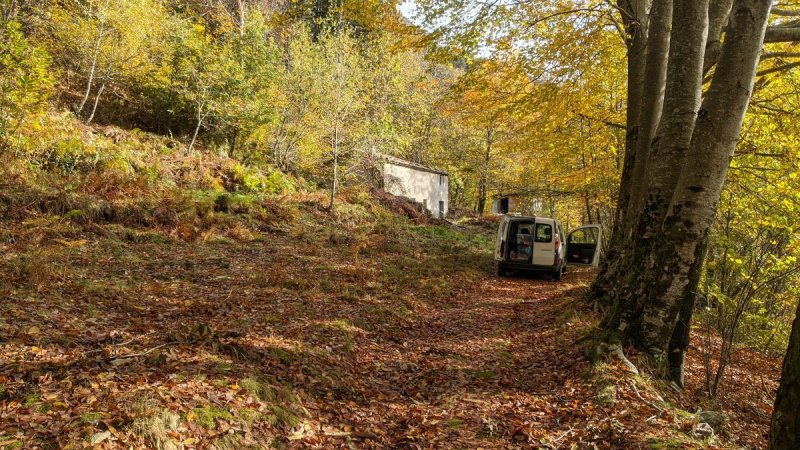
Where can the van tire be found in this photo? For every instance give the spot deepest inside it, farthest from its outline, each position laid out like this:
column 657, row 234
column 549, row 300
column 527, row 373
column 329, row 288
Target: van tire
column 501, row 270
column 557, row 274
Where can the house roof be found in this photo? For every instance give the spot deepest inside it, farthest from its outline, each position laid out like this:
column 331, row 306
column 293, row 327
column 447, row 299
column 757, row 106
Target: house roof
column 411, row 165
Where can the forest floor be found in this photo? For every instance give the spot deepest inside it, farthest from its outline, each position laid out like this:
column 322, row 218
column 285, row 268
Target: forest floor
column 113, row 337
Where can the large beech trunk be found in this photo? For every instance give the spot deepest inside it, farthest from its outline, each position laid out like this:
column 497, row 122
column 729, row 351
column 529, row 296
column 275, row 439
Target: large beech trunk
column 680, row 166
column 635, row 17
column 667, row 155
column 700, row 185
column 674, row 174
column 785, row 432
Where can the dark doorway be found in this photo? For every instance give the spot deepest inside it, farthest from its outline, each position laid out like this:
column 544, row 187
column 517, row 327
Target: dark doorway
column 504, row 203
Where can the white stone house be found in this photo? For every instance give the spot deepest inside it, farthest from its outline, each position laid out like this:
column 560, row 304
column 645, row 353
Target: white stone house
column 424, row 185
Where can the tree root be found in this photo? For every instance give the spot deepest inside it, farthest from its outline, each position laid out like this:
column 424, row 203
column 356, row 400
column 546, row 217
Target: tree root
column 616, row 350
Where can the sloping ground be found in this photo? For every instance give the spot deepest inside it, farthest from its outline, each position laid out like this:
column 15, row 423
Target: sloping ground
column 402, row 338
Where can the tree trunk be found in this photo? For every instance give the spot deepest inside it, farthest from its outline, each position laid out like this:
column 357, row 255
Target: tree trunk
column 785, row 431
column 679, row 342
column 483, row 182
column 93, row 65
column 335, row 184
column 634, row 16
column 200, row 117
column 242, row 12
column 718, row 13
column 96, row 101
column 686, row 170
column 682, row 98
column 694, row 203
column 655, row 78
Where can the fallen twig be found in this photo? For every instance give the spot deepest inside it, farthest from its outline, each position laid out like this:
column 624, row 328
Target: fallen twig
column 144, row 353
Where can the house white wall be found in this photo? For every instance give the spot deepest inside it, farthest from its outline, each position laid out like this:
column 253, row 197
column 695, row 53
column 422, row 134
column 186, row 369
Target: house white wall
column 521, row 205
column 428, row 188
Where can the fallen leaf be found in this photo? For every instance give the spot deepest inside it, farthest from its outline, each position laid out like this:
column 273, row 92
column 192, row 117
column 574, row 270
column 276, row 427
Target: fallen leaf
column 99, row 437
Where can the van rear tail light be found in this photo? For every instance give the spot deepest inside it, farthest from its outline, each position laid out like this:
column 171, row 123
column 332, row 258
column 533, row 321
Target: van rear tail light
column 558, row 244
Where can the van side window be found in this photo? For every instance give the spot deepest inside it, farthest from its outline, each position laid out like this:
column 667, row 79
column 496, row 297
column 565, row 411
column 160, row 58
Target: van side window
column 544, row 232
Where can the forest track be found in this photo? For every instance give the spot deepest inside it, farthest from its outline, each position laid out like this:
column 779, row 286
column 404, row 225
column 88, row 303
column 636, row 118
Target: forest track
column 397, row 346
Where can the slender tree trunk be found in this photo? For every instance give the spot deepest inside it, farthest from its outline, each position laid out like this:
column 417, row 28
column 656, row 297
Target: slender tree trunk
column 335, row 184
column 234, row 140
column 785, row 431
column 96, row 101
column 718, row 13
column 655, row 79
column 8, row 10
column 483, row 185
column 93, row 65
column 200, row 117
column 242, row 12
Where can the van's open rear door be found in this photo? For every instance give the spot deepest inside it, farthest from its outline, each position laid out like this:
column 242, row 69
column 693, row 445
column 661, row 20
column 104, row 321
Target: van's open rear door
column 583, row 246
column 500, row 248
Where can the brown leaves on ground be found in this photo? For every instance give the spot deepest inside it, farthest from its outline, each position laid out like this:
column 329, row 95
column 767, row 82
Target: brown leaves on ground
column 405, row 340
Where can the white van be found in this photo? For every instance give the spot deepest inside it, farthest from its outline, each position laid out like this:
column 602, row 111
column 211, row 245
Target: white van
column 539, row 244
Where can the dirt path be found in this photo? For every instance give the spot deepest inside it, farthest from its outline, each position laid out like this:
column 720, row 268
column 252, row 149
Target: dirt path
column 486, row 368
column 301, row 344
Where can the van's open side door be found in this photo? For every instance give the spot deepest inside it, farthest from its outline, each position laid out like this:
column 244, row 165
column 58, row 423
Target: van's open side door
column 583, row 246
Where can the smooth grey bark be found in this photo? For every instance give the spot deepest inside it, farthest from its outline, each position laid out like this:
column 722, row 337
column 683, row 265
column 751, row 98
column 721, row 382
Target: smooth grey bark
column 718, row 13
column 666, row 159
column 96, row 101
column 693, row 205
column 652, row 103
column 785, row 431
column 93, row 65
column 780, row 34
column 635, row 18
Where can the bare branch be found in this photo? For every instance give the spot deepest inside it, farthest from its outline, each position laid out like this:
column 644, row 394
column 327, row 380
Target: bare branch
column 782, row 68
column 769, row 55
column 785, row 12
column 781, row 34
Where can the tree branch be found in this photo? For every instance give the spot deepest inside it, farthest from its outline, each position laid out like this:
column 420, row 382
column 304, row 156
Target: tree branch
column 785, row 12
column 769, row 55
column 603, row 121
column 781, row 34
column 781, row 68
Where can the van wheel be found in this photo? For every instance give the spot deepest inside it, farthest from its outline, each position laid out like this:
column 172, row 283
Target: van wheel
column 501, row 270
column 557, row 274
